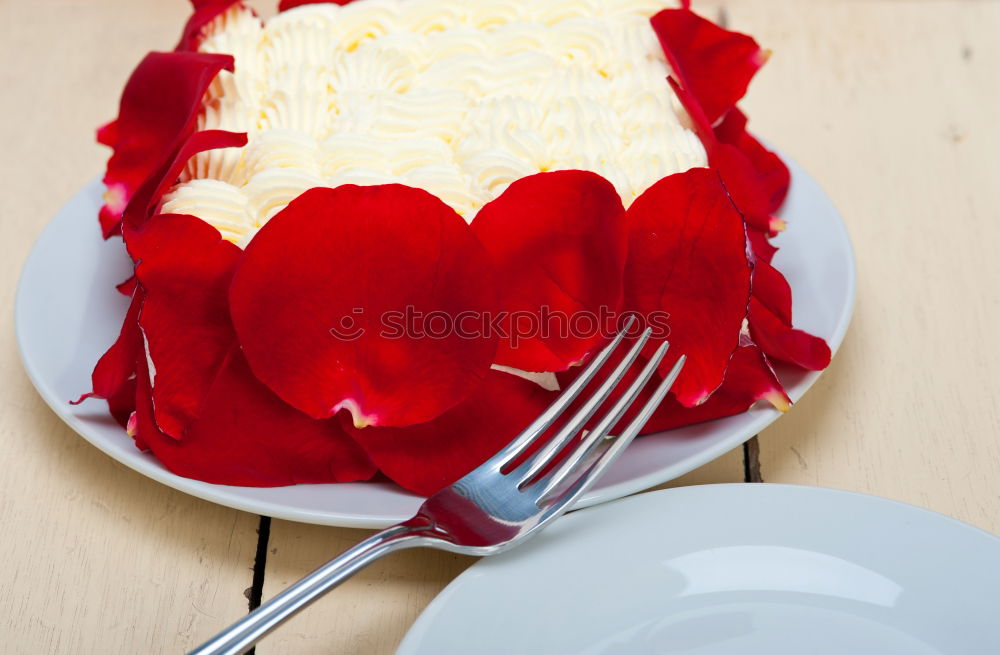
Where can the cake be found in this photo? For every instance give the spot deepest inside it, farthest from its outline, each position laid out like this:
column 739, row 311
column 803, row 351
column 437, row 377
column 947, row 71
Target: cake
column 494, row 186
column 457, row 98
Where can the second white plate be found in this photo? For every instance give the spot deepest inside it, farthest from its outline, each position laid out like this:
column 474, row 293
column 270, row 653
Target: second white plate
column 68, row 313
column 727, row 570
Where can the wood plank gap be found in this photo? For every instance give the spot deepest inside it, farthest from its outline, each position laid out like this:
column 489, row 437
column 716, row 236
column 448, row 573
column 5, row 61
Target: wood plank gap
column 751, row 461
column 255, row 593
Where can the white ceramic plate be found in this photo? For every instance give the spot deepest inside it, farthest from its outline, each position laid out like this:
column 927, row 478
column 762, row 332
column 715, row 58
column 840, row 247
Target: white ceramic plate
column 68, row 313
column 727, row 570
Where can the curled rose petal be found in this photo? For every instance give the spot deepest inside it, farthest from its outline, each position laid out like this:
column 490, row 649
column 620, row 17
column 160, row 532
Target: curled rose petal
column 688, row 259
column 772, row 176
column 737, row 172
column 761, row 245
column 356, row 298
column 285, row 5
column 741, row 182
column 184, row 268
column 114, row 370
column 158, row 110
column 770, row 319
column 128, row 287
column 205, row 11
column 247, row 436
column 749, row 379
column 147, row 198
column 121, row 405
column 427, row 457
column 770, row 326
column 559, row 242
column 781, row 341
column 716, row 65
column 107, row 135
column 772, row 289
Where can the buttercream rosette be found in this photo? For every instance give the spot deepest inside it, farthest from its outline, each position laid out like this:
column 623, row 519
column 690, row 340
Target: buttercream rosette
column 234, row 364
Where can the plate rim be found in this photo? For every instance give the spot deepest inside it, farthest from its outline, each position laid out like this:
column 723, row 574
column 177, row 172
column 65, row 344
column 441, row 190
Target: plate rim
column 409, row 644
column 225, row 495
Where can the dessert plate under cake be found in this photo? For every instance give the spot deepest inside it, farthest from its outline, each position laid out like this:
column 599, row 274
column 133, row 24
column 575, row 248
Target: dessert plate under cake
column 68, row 311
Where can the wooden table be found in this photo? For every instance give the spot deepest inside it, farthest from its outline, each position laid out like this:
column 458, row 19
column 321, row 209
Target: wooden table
column 891, row 104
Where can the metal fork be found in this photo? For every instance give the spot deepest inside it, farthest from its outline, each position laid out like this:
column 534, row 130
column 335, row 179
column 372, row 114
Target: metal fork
column 492, row 508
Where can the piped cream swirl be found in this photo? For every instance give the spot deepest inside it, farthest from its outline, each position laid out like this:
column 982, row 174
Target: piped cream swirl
column 459, row 98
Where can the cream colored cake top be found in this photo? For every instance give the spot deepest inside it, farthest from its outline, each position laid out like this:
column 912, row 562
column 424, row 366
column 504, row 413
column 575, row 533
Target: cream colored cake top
column 459, row 98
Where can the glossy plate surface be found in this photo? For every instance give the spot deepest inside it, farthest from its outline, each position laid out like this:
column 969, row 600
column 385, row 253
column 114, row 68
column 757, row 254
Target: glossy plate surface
column 726, row 570
column 68, row 313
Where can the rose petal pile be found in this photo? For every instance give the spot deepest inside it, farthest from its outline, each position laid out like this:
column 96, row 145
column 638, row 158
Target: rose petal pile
column 241, row 366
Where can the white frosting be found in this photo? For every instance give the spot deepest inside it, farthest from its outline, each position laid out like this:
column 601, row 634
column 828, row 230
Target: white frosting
column 459, row 98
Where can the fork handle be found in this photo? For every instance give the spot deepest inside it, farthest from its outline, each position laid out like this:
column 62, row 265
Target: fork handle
column 243, row 634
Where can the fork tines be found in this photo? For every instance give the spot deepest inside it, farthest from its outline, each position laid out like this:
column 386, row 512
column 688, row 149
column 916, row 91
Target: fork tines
column 551, row 467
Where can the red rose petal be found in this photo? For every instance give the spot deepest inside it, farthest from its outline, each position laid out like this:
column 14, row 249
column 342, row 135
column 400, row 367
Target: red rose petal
column 205, row 11
column 121, row 405
column 185, row 269
column 147, row 198
column 337, row 260
column 781, row 341
column 246, row 436
column 430, row 456
column 749, row 188
column 159, row 107
column 743, row 185
column 688, row 258
column 771, row 322
column 700, row 123
column 749, row 379
column 737, row 172
column 559, row 241
column 772, row 174
column 107, row 135
column 117, row 366
column 761, row 245
column 716, row 65
column 128, row 287
column 285, row 5
column 772, row 289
